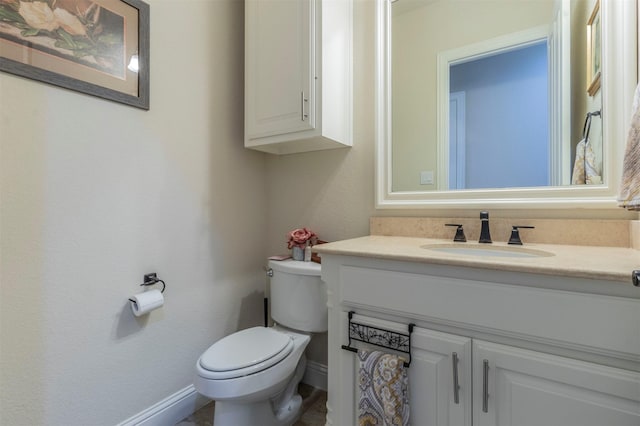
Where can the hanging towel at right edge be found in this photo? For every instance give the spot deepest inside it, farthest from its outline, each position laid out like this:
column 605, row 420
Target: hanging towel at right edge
column 629, row 197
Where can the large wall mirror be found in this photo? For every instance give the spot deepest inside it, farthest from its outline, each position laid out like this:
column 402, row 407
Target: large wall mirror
column 490, row 102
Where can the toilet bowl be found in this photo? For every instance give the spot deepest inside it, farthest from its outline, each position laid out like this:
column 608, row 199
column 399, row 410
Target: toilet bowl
column 253, row 374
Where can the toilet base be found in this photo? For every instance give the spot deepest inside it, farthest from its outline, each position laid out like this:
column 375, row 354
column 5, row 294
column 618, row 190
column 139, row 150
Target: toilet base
column 283, row 410
column 229, row 413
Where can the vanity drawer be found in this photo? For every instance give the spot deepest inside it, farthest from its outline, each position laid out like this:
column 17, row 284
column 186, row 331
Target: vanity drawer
column 597, row 323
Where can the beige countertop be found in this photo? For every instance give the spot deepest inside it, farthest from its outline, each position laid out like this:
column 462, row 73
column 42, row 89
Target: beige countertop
column 603, row 263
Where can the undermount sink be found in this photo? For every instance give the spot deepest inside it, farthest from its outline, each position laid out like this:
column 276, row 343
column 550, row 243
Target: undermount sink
column 486, row 250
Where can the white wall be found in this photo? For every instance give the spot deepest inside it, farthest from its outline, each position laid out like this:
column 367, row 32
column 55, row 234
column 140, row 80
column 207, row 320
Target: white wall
column 94, row 194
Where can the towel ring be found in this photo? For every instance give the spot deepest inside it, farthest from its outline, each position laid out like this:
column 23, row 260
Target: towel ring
column 586, row 129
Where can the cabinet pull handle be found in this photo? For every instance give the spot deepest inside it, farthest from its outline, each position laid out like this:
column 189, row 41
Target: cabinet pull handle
column 485, row 386
column 456, row 384
column 303, row 100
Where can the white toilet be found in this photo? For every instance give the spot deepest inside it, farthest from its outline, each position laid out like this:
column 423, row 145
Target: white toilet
column 253, row 374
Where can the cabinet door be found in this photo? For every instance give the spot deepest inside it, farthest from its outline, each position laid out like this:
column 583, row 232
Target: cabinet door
column 433, row 378
column 520, row 387
column 279, row 67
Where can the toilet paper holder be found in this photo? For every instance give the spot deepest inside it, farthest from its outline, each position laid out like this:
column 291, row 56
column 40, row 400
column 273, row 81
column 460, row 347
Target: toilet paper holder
column 151, row 279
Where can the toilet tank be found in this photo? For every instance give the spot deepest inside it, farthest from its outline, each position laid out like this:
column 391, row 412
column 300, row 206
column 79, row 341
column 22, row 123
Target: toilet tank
column 298, row 295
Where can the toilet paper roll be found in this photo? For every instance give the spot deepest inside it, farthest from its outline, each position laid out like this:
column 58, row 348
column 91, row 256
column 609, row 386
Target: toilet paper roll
column 143, row 303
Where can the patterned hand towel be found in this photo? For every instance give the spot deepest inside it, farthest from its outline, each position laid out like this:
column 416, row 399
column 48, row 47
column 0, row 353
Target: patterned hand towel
column 585, row 171
column 384, row 390
column 630, row 186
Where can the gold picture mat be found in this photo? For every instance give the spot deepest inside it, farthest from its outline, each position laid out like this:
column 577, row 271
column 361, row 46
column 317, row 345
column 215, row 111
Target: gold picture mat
column 594, row 50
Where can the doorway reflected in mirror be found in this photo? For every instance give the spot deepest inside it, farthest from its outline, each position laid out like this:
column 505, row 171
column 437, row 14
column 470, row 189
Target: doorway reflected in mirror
column 525, row 140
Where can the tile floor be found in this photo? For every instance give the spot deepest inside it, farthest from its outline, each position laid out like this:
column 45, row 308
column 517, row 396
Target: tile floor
column 314, row 410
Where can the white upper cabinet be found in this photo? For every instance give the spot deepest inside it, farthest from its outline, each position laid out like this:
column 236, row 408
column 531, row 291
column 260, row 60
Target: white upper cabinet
column 298, row 75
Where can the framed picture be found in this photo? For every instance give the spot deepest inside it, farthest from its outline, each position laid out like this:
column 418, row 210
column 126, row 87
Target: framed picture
column 594, row 49
column 97, row 47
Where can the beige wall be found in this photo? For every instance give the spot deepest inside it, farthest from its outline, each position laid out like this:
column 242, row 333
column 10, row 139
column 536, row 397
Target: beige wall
column 94, row 194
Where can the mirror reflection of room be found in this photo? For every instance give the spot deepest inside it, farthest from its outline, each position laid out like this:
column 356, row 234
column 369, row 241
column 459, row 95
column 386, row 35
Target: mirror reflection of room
column 494, row 94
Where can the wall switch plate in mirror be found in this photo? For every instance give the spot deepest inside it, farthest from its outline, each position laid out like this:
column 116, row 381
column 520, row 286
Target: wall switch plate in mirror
column 426, row 178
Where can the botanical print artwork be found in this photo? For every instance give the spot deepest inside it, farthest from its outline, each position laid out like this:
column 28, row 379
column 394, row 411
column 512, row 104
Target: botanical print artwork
column 80, row 31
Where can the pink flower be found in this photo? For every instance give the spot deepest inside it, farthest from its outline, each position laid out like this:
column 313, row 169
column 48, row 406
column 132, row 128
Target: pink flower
column 299, row 237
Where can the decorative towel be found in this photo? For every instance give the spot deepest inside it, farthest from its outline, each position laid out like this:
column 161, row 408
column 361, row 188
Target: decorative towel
column 629, row 197
column 384, row 390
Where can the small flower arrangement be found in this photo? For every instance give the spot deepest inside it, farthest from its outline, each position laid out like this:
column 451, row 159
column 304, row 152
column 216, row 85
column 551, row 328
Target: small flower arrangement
column 301, row 237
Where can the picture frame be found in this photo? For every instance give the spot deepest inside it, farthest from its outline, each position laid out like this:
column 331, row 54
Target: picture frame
column 96, row 47
column 594, row 50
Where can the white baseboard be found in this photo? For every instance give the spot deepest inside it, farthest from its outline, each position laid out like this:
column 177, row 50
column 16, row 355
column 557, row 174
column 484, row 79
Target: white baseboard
column 170, row 410
column 186, row 401
column 315, row 375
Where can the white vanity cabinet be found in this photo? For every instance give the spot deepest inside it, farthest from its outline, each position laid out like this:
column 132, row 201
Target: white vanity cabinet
column 513, row 386
column 298, row 75
column 440, row 378
column 531, row 349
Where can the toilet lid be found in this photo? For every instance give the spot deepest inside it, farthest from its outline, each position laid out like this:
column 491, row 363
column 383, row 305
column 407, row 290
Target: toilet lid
column 257, row 346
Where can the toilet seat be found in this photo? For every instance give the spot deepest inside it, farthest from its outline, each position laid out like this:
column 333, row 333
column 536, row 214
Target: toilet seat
column 245, row 352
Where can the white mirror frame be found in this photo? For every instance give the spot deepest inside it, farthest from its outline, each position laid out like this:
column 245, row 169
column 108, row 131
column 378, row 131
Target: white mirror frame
column 619, row 79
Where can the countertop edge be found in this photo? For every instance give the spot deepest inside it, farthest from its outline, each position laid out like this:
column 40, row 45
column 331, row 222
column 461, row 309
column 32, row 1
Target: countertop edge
column 408, row 249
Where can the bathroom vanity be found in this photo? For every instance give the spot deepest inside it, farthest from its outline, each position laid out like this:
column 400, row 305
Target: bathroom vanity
column 552, row 338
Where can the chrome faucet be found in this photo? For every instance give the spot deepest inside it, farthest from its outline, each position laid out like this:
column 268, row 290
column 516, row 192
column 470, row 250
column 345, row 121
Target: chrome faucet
column 485, row 235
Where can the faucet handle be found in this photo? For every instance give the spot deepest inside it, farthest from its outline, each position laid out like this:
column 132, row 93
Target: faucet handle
column 515, row 234
column 485, row 234
column 460, row 237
